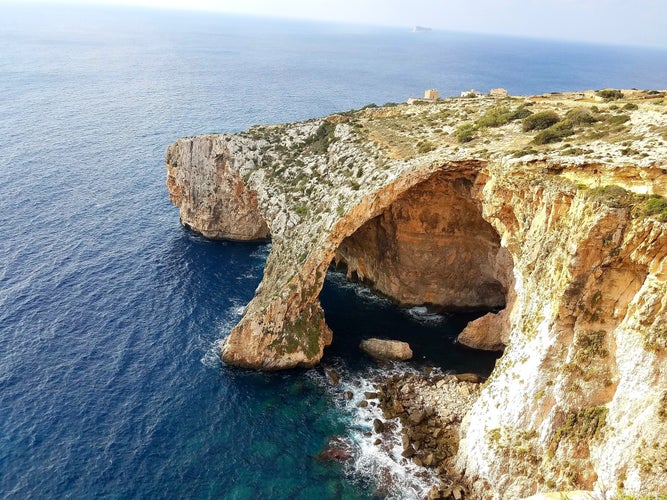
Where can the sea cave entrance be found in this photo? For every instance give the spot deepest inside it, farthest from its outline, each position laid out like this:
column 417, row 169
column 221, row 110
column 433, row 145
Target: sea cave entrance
column 420, row 271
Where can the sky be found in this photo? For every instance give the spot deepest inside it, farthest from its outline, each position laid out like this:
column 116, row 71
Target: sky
column 638, row 22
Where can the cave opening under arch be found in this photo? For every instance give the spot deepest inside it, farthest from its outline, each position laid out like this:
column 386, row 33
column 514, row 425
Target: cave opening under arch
column 429, row 251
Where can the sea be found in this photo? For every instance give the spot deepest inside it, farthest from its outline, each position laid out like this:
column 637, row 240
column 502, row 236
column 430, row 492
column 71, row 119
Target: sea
column 112, row 314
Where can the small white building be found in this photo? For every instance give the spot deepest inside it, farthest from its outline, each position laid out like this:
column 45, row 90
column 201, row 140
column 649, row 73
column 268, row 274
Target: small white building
column 470, row 93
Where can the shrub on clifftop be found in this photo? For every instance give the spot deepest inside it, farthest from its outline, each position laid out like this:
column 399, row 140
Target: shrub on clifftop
column 555, row 133
column 581, row 117
column 466, row 132
column 501, row 115
column 495, row 117
column 610, row 94
column 318, row 143
column 540, row 121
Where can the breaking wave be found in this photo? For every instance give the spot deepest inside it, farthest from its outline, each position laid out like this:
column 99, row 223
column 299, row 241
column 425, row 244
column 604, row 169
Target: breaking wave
column 381, row 465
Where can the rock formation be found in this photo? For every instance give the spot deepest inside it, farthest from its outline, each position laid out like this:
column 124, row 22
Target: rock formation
column 388, row 350
column 462, row 204
column 203, row 181
column 431, row 246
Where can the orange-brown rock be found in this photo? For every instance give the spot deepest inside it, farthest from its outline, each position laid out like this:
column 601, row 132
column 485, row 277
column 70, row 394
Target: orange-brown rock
column 431, row 246
column 387, row 350
column 487, row 332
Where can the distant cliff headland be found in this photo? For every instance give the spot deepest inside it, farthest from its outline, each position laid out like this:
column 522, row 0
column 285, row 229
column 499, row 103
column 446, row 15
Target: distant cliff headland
column 550, row 209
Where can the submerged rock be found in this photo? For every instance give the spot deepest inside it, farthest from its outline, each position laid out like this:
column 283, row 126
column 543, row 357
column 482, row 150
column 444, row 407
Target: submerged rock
column 337, row 449
column 386, row 350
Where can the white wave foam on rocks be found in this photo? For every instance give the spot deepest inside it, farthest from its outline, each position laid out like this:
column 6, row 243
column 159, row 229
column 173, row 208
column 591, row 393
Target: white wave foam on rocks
column 382, row 465
column 423, row 315
column 362, row 291
column 261, row 252
column 211, row 357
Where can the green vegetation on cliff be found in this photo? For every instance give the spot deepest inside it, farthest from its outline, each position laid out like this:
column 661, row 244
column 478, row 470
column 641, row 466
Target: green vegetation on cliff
column 582, row 425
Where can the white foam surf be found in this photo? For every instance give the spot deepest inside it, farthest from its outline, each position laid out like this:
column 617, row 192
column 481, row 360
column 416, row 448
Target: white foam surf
column 382, row 465
column 261, row 252
column 360, row 290
column 422, row 315
column 211, row 356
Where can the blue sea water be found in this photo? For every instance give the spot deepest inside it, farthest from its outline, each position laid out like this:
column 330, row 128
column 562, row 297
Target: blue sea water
column 111, row 313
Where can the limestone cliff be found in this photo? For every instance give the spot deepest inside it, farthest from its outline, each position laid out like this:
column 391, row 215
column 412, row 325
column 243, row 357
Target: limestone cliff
column 578, row 398
column 474, row 204
column 204, row 182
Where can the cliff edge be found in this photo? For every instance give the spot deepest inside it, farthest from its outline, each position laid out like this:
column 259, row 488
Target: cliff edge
column 549, row 209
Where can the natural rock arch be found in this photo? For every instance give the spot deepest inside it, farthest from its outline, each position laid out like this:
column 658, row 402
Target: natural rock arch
column 434, row 208
column 431, row 246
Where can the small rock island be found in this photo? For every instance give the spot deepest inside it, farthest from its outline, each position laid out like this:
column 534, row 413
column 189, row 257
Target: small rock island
column 550, row 209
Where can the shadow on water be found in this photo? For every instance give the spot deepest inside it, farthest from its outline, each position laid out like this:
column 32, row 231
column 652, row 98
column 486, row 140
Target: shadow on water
column 354, row 313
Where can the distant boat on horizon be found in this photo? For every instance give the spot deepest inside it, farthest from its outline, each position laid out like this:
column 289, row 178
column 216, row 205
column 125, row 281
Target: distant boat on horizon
column 420, row 29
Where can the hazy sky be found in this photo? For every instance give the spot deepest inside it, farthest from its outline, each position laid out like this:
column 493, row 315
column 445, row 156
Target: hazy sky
column 617, row 21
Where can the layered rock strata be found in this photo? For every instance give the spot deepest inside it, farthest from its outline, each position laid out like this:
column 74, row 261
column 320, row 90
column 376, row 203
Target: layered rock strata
column 454, row 204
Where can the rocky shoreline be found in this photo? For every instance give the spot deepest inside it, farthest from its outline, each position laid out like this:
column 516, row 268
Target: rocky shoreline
column 430, row 409
column 421, row 413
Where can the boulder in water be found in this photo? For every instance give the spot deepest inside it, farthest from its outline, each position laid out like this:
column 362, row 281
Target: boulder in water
column 332, row 376
column 386, row 350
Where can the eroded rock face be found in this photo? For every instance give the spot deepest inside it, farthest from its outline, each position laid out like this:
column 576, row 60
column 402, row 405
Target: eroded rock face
column 431, row 246
column 580, row 376
column 204, row 182
column 578, row 399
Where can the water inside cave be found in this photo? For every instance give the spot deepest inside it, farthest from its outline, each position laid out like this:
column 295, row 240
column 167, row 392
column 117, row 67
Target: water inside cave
column 354, row 312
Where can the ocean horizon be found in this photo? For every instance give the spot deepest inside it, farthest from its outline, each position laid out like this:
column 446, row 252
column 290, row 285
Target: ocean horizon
column 112, row 314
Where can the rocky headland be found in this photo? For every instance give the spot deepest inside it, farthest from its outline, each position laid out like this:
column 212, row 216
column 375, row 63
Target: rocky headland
column 547, row 211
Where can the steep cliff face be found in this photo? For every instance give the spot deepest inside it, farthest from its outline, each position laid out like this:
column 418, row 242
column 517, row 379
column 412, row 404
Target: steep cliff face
column 204, row 182
column 577, row 398
column 573, row 246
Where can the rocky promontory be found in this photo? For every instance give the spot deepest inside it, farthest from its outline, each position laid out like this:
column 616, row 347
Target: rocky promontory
column 547, row 211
